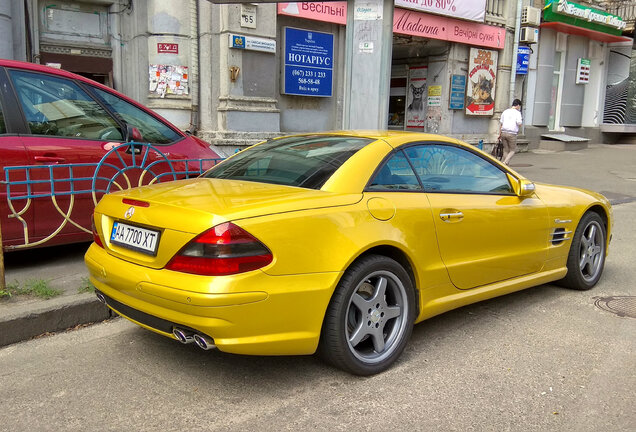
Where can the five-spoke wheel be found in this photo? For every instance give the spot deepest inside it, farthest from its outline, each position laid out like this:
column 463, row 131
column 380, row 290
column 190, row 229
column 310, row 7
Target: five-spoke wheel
column 370, row 317
column 587, row 253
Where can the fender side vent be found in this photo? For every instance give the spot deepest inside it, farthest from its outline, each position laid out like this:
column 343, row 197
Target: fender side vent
column 559, row 235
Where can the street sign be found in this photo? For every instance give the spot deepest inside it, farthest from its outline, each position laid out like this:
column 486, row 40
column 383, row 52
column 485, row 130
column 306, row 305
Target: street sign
column 523, row 60
column 457, row 92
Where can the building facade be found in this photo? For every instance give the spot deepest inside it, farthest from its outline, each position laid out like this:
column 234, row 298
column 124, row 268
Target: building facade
column 237, row 73
column 570, row 72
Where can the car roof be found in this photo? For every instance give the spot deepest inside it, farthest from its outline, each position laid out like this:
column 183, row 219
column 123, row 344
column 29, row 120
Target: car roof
column 48, row 69
column 392, row 137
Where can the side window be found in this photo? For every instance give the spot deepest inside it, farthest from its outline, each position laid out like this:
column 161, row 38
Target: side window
column 152, row 130
column 3, row 128
column 395, row 174
column 59, row 107
column 445, row 168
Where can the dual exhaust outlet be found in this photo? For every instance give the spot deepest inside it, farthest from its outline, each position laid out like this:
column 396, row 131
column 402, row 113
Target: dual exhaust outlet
column 186, row 336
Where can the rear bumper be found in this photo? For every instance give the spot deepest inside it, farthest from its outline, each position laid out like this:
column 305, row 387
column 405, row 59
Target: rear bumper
column 250, row 313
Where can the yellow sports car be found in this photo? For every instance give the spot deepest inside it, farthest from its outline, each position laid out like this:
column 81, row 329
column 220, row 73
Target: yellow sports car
column 338, row 243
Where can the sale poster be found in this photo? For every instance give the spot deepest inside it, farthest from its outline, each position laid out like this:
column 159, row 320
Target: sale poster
column 482, row 77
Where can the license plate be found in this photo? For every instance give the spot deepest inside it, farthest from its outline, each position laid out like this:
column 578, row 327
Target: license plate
column 134, row 237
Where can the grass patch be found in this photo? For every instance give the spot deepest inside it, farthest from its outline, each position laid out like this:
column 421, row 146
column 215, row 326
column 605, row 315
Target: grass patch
column 86, row 286
column 34, row 287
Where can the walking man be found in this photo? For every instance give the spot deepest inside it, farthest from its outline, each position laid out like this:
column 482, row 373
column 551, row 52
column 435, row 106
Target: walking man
column 508, row 130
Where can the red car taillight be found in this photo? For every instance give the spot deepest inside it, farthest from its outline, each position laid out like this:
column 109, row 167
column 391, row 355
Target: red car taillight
column 222, row 250
column 96, row 238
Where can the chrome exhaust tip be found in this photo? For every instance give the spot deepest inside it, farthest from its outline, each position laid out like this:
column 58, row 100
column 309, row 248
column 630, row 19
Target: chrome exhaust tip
column 100, row 297
column 204, row 342
column 183, row 336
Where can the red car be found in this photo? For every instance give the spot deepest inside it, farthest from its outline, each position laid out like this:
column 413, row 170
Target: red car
column 53, row 117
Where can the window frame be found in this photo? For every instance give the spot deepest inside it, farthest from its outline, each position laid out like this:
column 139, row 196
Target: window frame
column 403, row 149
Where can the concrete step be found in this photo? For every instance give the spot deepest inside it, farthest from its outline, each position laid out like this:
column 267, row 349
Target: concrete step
column 555, row 145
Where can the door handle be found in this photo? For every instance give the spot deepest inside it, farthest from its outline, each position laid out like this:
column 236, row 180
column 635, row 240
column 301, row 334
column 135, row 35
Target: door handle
column 454, row 216
column 49, row 159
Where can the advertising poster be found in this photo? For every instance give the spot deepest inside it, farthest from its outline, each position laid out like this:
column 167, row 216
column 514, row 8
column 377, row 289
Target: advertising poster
column 168, row 79
column 416, row 98
column 474, row 10
column 482, row 77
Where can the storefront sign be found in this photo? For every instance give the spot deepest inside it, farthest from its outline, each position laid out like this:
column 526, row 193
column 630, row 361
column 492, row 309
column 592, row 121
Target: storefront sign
column 252, row 43
column 583, row 71
column 410, row 22
column 434, row 96
column 168, row 79
column 334, row 12
column 473, row 10
column 168, row 48
column 582, row 16
column 308, row 63
column 415, row 95
column 523, row 60
column 435, row 27
column 482, row 77
column 457, row 92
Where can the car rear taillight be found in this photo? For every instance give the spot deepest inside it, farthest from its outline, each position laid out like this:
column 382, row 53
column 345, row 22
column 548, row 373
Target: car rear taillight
column 222, row 250
column 96, row 238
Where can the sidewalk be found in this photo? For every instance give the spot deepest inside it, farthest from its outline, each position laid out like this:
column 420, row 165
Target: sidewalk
column 609, row 169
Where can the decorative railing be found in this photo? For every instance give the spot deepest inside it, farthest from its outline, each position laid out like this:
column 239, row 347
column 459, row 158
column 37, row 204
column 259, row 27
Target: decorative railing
column 624, row 9
column 496, row 12
column 122, row 167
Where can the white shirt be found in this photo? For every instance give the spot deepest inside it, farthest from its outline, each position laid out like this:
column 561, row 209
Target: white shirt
column 510, row 121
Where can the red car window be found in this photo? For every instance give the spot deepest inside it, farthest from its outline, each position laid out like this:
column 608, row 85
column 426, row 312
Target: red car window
column 3, row 128
column 152, row 130
column 59, row 107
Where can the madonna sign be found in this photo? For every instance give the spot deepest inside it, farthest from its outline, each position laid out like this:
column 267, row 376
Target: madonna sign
column 436, row 27
column 482, row 77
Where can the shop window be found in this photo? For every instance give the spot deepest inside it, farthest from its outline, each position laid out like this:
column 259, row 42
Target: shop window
column 397, row 103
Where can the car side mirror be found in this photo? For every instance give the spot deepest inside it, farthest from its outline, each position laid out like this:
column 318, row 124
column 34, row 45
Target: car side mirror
column 526, row 188
column 521, row 186
column 133, row 134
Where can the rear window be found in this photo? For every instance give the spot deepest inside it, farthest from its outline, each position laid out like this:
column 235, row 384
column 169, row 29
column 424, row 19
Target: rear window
column 307, row 161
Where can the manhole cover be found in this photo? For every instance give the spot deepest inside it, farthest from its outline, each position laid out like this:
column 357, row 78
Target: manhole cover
column 623, row 306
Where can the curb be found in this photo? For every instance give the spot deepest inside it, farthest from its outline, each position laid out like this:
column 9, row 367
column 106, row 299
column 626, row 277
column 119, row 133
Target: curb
column 26, row 325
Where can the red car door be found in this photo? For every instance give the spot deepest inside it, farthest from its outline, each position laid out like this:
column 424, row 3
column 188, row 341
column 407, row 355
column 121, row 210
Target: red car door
column 13, row 220
column 67, row 127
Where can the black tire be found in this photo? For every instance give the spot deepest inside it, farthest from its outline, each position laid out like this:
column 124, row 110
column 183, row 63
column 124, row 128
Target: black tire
column 586, row 259
column 370, row 317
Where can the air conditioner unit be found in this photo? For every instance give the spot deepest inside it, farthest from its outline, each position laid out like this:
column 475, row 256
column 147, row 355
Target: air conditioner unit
column 531, row 16
column 529, row 35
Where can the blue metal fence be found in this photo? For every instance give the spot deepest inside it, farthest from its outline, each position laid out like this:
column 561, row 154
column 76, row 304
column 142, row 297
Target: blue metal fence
column 124, row 166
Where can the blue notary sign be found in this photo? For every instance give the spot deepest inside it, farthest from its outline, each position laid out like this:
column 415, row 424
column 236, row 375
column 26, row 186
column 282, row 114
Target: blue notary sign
column 308, row 60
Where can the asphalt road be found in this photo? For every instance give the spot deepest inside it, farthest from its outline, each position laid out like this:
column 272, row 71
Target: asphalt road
column 542, row 359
